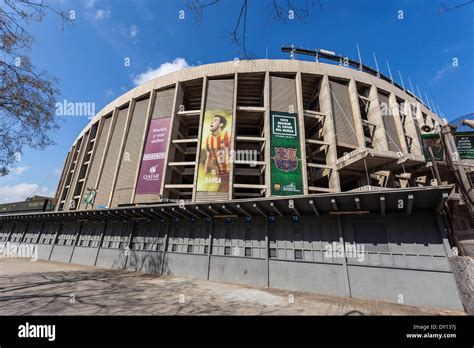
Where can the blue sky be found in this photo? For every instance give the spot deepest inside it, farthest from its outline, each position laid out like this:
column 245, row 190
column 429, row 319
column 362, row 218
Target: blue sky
column 88, row 56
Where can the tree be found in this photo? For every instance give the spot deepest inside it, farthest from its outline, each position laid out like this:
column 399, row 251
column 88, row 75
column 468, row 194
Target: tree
column 445, row 8
column 27, row 96
column 281, row 10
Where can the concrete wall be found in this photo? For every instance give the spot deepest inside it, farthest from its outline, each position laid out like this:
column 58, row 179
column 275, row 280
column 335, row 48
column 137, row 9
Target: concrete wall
column 411, row 287
column 84, row 255
column 230, row 269
column 304, row 276
column 191, row 265
column 145, row 261
column 463, row 268
column 44, row 251
column 111, row 258
column 61, row 253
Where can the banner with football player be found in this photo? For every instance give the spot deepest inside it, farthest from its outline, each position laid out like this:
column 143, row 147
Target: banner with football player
column 285, row 155
column 214, row 159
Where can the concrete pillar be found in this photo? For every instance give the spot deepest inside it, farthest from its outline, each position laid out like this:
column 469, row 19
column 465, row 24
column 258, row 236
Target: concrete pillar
column 410, row 126
column 329, row 134
column 354, row 97
column 266, row 104
column 130, row 112
column 198, row 144
column 173, row 134
column 77, row 170
column 62, row 181
column 393, row 106
column 380, row 142
column 299, row 103
column 94, row 148
column 419, row 115
column 234, row 135
column 109, row 138
column 67, row 169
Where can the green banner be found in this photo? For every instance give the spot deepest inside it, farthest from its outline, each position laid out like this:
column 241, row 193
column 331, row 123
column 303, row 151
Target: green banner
column 89, row 197
column 285, row 155
column 465, row 144
column 433, row 141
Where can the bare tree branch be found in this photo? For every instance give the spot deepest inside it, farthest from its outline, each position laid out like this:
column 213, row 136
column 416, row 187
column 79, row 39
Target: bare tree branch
column 282, row 10
column 444, row 8
column 27, row 96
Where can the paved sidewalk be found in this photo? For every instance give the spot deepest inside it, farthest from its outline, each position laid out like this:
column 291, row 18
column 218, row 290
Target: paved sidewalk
column 49, row 288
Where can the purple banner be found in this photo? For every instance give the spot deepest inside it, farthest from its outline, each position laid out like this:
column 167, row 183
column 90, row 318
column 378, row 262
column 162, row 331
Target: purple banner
column 153, row 161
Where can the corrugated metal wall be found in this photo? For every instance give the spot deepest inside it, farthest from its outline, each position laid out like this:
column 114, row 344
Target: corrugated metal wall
column 17, row 232
column 406, row 244
column 5, row 230
column 131, row 155
column 389, row 124
column 107, row 177
column 32, row 231
column 163, row 103
column 189, row 238
column 68, row 233
column 308, row 241
column 220, row 94
column 148, row 235
column 49, row 232
column 90, row 234
column 96, row 160
column 240, row 238
column 342, row 114
column 283, row 94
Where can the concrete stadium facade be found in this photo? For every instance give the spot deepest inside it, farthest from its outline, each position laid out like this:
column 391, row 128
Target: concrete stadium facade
column 345, row 106
column 368, row 220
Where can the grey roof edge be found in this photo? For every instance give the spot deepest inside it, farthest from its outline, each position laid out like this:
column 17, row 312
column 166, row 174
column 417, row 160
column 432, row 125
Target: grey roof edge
column 415, row 199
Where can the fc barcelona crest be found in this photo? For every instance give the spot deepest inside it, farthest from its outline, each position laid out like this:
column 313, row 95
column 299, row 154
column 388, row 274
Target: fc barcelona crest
column 285, row 159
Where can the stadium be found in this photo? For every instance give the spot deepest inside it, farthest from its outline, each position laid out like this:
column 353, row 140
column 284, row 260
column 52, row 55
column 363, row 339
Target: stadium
column 258, row 172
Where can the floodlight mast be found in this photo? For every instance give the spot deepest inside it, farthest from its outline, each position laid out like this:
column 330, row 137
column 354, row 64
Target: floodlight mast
column 333, row 56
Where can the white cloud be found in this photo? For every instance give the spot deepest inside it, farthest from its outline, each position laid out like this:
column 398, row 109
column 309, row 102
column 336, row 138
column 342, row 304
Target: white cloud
column 18, row 170
column 133, row 31
column 109, row 93
column 163, row 69
column 21, row 191
column 90, row 4
column 102, row 14
column 440, row 73
column 94, row 12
